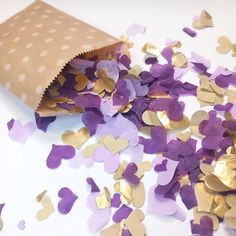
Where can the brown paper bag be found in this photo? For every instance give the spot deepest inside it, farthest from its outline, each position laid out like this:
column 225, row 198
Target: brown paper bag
column 37, row 43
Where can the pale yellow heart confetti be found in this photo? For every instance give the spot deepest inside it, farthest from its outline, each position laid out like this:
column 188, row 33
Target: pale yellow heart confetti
column 76, row 139
column 179, row 60
column 115, row 145
column 47, row 206
column 225, row 45
column 150, row 118
column 203, row 21
column 151, row 49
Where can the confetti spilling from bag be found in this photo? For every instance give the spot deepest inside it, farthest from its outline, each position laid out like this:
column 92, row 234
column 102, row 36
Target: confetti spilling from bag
column 137, row 112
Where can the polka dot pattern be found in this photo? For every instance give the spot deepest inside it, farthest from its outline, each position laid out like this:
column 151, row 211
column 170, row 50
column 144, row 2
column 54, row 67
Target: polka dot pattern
column 22, row 77
column 25, row 59
column 37, row 43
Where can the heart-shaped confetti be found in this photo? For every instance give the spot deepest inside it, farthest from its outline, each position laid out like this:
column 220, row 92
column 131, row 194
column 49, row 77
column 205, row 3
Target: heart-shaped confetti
column 203, row 21
column 47, row 206
column 135, row 29
column 225, row 45
column 21, row 225
column 115, row 145
column 19, row 132
column 129, row 173
column 67, row 201
column 58, row 153
column 76, row 139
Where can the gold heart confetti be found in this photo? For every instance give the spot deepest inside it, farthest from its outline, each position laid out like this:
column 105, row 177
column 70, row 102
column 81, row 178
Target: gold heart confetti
column 203, row 21
column 179, row 60
column 104, row 200
column 104, row 83
column 82, row 82
column 225, row 45
column 48, row 208
column 76, row 139
column 115, row 145
column 151, row 49
column 150, row 118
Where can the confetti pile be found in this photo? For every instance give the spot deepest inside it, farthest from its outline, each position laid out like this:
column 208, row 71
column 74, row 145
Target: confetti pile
column 139, row 114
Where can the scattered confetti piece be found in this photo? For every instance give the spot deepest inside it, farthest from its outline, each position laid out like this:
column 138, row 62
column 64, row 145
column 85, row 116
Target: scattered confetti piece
column 190, row 32
column 47, row 206
column 43, row 122
column 99, row 217
column 67, row 201
column 135, row 29
column 131, row 111
column 21, row 225
column 94, row 187
column 59, row 152
column 76, row 139
column 151, row 49
column 19, row 132
column 203, row 21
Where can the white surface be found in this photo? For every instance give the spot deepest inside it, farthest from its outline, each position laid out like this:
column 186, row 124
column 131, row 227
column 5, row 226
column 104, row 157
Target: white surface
column 23, row 171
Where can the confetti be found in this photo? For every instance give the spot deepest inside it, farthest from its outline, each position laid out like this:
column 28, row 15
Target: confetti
column 94, row 187
column 99, row 217
column 225, row 46
column 129, row 173
column 19, row 132
column 135, row 29
column 230, row 215
column 203, row 21
column 115, row 145
column 21, row 225
column 67, row 201
column 130, row 111
column 122, row 213
column 134, row 223
column 188, row 197
column 43, row 122
column 1, row 221
column 47, row 206
column 138, row 195
column 59, row 152
column 190, row 32
column 76, row 139
column 151, row 49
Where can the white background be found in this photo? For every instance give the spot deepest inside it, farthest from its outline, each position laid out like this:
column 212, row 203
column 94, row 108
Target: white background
column 23, row 171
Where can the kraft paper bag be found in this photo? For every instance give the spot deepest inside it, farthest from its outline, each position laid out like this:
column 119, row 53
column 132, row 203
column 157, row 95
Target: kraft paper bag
column 37, row 43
